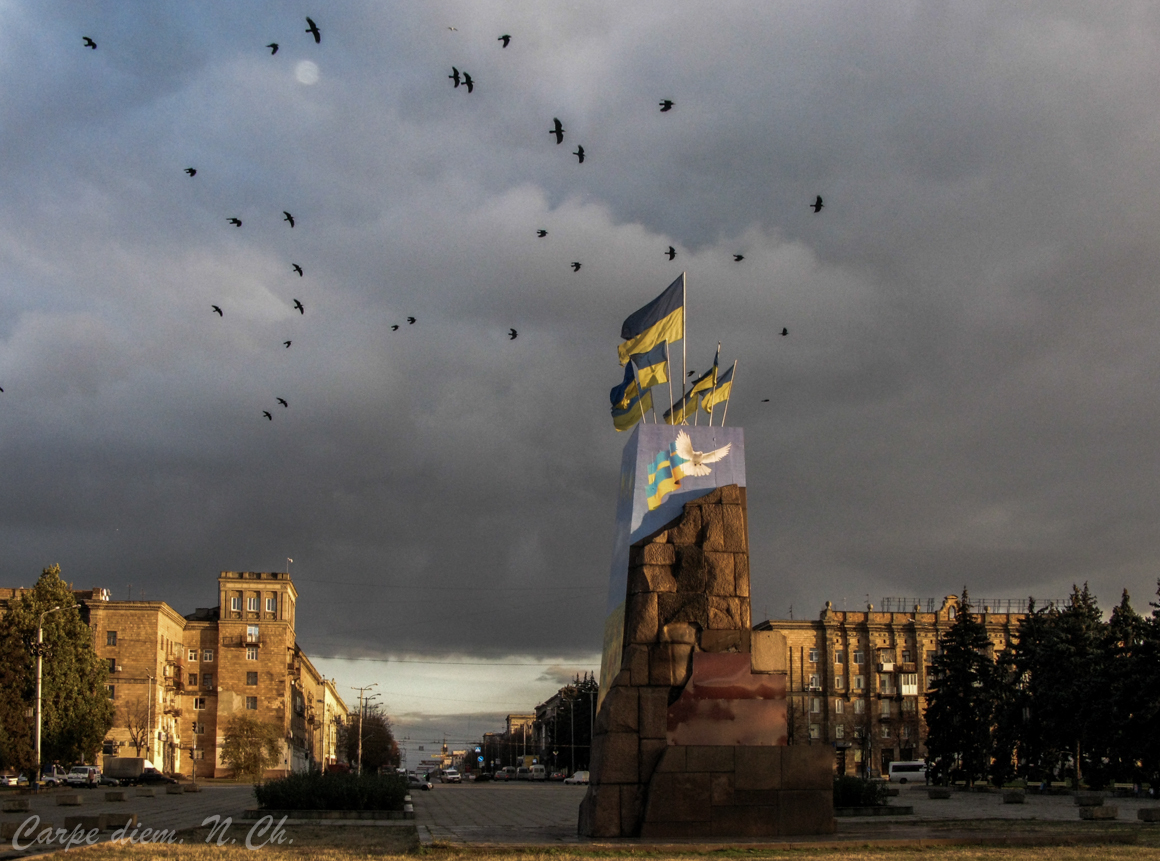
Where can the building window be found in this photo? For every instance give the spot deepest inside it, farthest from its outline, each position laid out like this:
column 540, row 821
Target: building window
column 252, row 703
column 813, row 656
column 192, row 655
column 198, row 728
column 858, row 751
column 112, row 691
column 199, row 704
column 840, row 731
column 816, row 705
column 193, row 680
column 112, row 665
column 886, row 682
column 839, row 682
column 884, row 708
column 251, row 633
column 110, row 638
column 235, row 605
column 814, row 683
column 906, row 732
column 859, row 657
column 207, row 680
column 859, row 683
column 207, row 655
column 251, row 653
column 839, row 657
column 910, row 705
column 251, row 678
column 907, row 656
column 859, row 732
column 859, row 707
column 909, row 683
column 839, row 705
column 252, row 604
column 198, row 753
column 886, row 730
column 815, row 731
column 930, row 656
column 271, row 605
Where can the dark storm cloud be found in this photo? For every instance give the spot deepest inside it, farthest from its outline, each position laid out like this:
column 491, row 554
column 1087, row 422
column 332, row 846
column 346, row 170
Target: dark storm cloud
column 965, row 396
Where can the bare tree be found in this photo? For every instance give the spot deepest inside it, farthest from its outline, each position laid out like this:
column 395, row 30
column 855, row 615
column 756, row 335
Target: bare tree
column 136, row 717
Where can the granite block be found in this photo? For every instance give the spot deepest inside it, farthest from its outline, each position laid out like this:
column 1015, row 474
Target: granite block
column 709, row 758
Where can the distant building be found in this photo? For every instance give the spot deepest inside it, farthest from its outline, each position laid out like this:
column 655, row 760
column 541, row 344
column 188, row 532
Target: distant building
column 175, row 680
column 858, row 680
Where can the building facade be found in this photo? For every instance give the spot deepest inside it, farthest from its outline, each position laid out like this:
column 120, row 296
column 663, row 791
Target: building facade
column 858, row 680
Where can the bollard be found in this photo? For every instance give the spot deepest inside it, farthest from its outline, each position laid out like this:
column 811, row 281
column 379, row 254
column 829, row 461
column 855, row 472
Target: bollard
column 1148, row 814
column 69, row 799
column 938, row 792
column 145, row 792
column 112, row 821
column 16, row 805
column 174, row 789
column 1102, row 812
column 1014, row 796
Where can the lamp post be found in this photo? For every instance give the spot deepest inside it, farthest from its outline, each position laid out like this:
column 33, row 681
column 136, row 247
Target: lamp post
column 39, row 675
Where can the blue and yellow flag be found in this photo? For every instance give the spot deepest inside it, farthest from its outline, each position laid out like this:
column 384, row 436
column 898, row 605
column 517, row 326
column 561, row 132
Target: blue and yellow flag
column 664, row 476
column 683, row 409
column 623, row 418
column 627, row 391
column 720, row 392
column 652, row 368
column 662, row 319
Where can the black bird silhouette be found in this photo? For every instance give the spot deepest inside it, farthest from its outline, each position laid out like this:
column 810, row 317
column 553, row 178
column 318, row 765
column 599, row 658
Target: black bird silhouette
column 286, row 344
column 89, row 43
column 192, row 171
column 575, row 266
column 671, row 253
column 470, row 84
column 512, row 334
column 266, row 413
column 765, row 400
column 410, row 321
column 454, row 75
column 217, row 310
column 691, row 373
column 579, row 154
column 666, row 105
column 282, row 401
column 297, row 269
column 1, row 390
column 236, row 222
column 395, row 327
column 288, row 217
column 817, row 205
column 505, row 38
column 298, row 307
column 558, row 131
column 785, row 331
column 541, row 233
column 273, row 46
column 737, row 258
column 313, row 30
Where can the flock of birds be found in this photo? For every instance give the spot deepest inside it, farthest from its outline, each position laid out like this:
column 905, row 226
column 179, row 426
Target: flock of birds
column 458, row 79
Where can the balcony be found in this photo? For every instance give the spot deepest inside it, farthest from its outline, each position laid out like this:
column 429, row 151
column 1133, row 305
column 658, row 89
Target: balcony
column 886, row 666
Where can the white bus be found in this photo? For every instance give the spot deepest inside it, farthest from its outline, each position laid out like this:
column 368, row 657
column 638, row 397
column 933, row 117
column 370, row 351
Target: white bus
column 903, row 772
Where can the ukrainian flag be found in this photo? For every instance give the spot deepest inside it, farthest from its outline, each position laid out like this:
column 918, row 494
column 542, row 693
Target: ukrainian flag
column 624, row 418
column 720, row 392
column 683, row 409
column 627, row 391
column 652, row 368
column 662, row 319
column 664, row 476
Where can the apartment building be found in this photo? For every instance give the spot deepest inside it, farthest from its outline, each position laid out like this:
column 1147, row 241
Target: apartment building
column 858, row 679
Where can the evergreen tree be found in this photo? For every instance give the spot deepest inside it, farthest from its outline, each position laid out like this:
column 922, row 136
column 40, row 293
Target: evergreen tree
column 961, row 704
column 77, row 712
column 1021, row 722
column 1141, row 737
column 250, row 746
column 1121, row 670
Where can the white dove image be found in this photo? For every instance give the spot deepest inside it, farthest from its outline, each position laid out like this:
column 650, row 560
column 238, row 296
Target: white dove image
column 697, row 459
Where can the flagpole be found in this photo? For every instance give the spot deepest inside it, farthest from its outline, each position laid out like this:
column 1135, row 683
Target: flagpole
column 713, row 405
column 732, row 380
column 639, row 393
column 684, row 337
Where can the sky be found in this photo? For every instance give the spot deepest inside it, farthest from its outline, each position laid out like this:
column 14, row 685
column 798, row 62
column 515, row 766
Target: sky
column 966, row 397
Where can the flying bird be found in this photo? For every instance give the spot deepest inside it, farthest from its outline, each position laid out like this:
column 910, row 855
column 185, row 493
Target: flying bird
column 671, row 253
column 297, row 269
column 692, row 373
column 89, row 43
column 765, row 400
column 666, row 105
column 453, row 29
column 505, row 38
column 454, row 76
column 410, row 321
column 470, row 84
column 217, row 310
column 395, row 327
column 298, row 306
column 737, row 258
column 282, row 401
column 697, row 459
column 579, row 154
column 512, row 334
column 575, row 266
column 558, row 131
column 313, row 30
column 192, row 171
column 541, row 233
column 266, row 413
column 286, row 344
column 236, row 222
column 817, row 205
column 784, row 331
column 1, row 390
column 288, row 217
column 273, row 46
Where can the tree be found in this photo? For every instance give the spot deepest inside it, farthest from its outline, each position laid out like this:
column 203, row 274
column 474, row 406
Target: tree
column 137, row 721
column 76, row 710
column 379, row 748
column 960, row 708
column 250, row 746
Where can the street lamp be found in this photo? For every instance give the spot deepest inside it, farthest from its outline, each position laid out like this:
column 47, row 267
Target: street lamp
column 39, row 673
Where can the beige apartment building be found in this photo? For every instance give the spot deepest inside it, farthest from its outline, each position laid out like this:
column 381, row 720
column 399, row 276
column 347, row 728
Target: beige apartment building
column 858, row 679
column 175, row 680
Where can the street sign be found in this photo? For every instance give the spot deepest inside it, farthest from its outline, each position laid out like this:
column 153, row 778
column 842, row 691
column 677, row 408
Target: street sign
column 479, row 758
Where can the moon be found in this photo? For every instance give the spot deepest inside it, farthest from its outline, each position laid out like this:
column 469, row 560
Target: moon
column 306, row 72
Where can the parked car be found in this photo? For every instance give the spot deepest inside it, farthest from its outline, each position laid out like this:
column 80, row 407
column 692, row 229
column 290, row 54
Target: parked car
column 578, row 777
column 152, row 775
column 508, row 772
column 414, row 781
column 557, row 775
column 8, row 780
column 482, row 777
column 539, row 772
column 52, row 775
column 523, row 773
column 108, row 781
column 86, row 776
column 450, row 775
column 906, row 771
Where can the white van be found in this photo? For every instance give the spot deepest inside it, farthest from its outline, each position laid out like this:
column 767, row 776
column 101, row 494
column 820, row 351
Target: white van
column 904, row 772
column 539, row 773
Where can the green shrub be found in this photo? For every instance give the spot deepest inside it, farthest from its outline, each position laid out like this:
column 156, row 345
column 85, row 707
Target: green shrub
column 858, row 792
column 333, row 791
